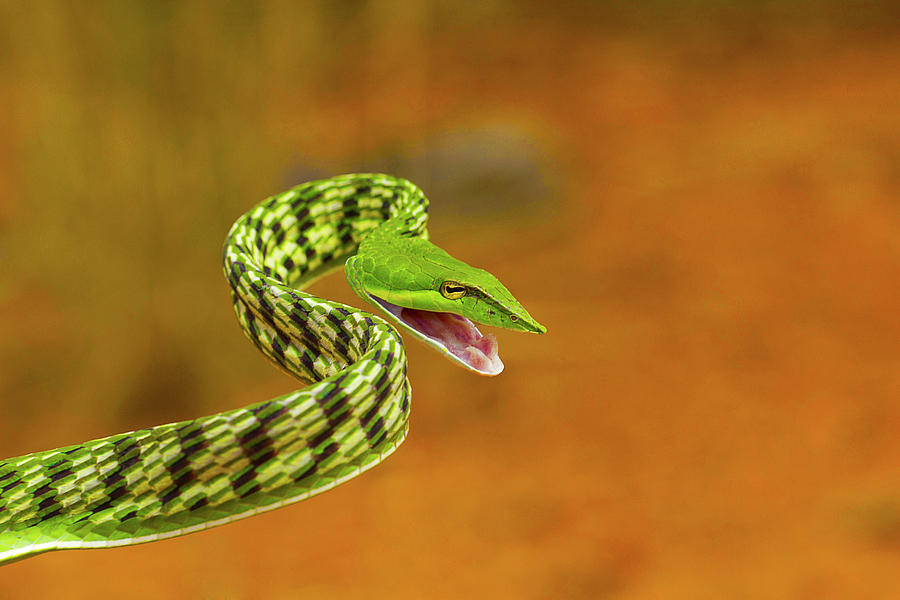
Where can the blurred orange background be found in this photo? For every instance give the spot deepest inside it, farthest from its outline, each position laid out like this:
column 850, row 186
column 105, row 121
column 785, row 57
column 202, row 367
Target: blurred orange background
column 701, row 201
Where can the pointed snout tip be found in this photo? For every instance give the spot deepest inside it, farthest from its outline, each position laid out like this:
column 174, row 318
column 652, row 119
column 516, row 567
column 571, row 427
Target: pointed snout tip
column 535, row 327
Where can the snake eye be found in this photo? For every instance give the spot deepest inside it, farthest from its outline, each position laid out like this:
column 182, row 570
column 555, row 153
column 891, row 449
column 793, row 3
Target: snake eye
column 452, row 290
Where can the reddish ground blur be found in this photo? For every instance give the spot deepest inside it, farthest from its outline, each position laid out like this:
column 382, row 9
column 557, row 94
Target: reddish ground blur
column 714, row 412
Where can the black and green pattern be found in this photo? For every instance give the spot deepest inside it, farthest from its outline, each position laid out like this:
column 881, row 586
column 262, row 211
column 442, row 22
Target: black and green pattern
column 182, row 477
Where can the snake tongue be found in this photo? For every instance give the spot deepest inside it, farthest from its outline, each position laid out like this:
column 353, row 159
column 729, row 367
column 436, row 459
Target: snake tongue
column 456, row 334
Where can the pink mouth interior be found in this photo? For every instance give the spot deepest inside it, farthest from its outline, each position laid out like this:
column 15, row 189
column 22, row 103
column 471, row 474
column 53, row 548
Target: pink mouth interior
column 455, row 333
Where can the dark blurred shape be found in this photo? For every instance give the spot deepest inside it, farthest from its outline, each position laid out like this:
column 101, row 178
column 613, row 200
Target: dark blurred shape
column 488, row 172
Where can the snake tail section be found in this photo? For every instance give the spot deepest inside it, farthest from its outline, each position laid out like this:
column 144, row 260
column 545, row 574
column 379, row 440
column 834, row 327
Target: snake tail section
column 183, row 477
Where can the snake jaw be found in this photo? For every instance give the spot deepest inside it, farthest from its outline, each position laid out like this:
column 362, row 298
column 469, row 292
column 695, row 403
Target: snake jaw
column 454, row 335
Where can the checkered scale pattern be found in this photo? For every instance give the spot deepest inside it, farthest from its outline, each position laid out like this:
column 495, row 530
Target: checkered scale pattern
column 183, row 477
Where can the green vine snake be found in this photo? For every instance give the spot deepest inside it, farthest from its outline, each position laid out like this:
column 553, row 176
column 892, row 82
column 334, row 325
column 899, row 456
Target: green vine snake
column 189, row 476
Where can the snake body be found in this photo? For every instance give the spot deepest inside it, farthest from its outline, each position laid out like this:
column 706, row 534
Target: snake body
column 182, row 477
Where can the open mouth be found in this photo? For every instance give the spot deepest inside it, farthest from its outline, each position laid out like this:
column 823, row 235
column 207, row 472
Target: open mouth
column 455, row 334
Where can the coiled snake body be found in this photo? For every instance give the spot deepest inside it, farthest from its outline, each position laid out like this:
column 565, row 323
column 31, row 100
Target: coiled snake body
column 182, row 477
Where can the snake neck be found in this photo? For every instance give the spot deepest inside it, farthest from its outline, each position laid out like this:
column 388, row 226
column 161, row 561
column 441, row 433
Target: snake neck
column 288, row 241
column 296, row 236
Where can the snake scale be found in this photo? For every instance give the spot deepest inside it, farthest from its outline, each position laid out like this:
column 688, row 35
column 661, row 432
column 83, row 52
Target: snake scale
column 178, row 478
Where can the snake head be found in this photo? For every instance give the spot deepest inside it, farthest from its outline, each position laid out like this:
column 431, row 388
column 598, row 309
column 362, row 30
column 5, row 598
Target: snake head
column 437, row 298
